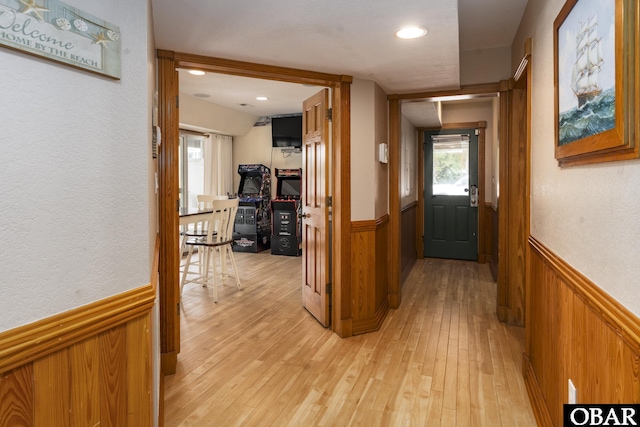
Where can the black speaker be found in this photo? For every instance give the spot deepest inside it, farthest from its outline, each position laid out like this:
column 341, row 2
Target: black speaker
column 285, row 245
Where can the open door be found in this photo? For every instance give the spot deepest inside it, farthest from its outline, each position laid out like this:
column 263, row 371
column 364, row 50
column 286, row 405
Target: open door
column 315, row 210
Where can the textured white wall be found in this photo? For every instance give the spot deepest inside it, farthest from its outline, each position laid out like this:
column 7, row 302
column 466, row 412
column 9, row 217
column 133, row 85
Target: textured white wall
column 74, row 210
column 363, row 154
column 381, row 126
column 206, row 115
column 587, row 215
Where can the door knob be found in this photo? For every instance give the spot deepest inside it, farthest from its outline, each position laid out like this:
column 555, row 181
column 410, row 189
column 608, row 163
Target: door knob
column 304, row 215
column 473, row 197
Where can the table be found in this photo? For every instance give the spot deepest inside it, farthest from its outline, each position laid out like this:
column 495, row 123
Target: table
column 192, row 215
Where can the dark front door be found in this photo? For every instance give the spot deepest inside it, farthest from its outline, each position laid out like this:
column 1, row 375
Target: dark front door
column 451, row 194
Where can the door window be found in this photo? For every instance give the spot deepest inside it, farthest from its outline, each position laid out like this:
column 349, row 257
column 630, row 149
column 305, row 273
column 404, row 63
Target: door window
column 450, row 165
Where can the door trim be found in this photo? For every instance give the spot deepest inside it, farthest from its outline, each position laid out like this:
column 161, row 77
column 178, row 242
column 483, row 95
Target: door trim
column 394, row 174
column 514, row 202
column 481, row 126
column 168, row 114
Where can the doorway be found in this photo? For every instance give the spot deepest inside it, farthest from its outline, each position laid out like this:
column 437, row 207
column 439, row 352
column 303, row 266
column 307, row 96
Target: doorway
column 451, row 194
column 168, row 63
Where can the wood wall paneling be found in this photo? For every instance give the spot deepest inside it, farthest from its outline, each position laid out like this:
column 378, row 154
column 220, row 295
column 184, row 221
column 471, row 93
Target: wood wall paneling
column 16, row 397
column 491, row 248
column 408, row 240
column 138, row 376
column 369, row 274
column 538, row 404
column 84, row 358
column 36, row 340
column 113, row 366
column 576, row 331
column 52, row 397
column 86, row 367
column 382, row 265
column 363, row 270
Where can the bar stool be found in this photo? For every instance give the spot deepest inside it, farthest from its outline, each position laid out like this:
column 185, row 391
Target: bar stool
column 197, row 229
column 219, row 238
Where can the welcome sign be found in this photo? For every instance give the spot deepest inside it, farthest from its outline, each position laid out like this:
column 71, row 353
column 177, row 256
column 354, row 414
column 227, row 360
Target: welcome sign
column 59, row 32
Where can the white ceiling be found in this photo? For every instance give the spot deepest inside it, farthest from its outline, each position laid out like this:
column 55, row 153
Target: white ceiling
column 353, row 37
column 232, row 91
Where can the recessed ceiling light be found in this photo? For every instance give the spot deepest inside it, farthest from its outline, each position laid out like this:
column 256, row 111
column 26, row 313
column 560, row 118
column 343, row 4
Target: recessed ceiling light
column 201, row 95
column 411, row 32
column 197, row 72
column 245, row 105
column 262, row 98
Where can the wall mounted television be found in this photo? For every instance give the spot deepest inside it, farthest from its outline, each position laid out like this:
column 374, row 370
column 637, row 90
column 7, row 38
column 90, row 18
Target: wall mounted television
column 286, row 131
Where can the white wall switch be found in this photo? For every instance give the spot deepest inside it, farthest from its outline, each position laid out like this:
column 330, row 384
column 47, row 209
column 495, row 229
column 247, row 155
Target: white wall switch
column 383, row 152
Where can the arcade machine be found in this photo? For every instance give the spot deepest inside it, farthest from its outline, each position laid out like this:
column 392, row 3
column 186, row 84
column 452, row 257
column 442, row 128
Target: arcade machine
column 287, row 227
column 253, row 221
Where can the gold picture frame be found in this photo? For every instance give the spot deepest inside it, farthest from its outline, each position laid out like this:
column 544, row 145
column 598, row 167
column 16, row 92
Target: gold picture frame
column 596, row 82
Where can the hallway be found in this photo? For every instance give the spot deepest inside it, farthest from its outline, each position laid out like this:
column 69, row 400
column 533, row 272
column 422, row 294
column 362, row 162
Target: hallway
column 257, row 358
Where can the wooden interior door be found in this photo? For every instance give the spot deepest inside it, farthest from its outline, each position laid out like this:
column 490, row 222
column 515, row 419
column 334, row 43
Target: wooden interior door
column 315, row 214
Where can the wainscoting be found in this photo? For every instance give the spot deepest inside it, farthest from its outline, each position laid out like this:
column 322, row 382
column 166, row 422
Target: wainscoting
column 576, row 331
column 491, row 239
column 408, row 241
column 86, row 367
column 369, row 274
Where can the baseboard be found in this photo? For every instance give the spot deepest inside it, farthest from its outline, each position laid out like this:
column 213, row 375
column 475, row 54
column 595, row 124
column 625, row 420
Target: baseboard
column 373, row 323
column 168, row 363
column 502, row 312
column 493, row 266
column 538, row 403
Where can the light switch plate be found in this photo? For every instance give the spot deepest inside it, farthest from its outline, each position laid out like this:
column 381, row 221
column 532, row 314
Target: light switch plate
column 383, row 153
column 572, row 393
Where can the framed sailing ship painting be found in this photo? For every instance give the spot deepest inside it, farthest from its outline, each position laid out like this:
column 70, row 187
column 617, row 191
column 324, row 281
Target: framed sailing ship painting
column 596, row 81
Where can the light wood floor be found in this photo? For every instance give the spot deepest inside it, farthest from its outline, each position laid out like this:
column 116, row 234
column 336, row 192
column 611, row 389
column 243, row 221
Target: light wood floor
column 257, row 358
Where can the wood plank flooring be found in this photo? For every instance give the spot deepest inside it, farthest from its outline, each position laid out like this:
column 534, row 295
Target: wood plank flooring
column 257, row 358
